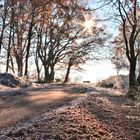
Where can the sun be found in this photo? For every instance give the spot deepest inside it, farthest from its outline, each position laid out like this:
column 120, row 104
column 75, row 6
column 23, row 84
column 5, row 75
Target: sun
column 88, row 24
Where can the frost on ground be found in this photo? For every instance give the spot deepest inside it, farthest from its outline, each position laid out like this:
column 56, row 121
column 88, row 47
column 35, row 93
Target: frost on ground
column 99, row 115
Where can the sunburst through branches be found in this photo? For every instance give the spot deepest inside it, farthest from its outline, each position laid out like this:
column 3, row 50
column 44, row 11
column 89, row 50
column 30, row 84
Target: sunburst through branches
column 88, row 24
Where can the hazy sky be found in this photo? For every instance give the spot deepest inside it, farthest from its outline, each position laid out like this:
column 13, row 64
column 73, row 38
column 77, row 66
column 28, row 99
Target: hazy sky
column 96, row 72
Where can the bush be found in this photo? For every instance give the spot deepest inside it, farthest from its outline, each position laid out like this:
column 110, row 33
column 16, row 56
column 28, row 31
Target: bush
column 116, row 82
column 134, row 93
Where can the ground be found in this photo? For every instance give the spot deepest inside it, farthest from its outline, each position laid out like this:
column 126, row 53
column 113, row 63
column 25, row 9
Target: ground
column 68, row 112
column 34, row 101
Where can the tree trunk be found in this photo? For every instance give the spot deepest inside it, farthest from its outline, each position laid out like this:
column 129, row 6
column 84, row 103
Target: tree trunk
column 132, row 76
column 29, row 37
column 20, row 70
column 19, row 55
column 138, row 79
column 46, row 74
column 67, row 74
column 8, row 50
column 52, row 73
column 12, row 64
column 37, row 67
column 2, row 30
column 49, row 74
column 1, row 36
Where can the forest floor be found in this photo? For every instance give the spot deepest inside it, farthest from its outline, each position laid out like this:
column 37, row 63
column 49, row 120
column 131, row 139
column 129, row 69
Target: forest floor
column 68, row 112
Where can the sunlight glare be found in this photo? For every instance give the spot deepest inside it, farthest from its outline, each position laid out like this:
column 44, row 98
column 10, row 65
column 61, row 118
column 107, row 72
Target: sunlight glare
column 88, row 24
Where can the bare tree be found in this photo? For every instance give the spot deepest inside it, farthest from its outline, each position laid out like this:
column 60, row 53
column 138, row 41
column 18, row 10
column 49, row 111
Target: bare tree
column 59, row 33
column 3, row 16
column 127, row 13
column 83, row 52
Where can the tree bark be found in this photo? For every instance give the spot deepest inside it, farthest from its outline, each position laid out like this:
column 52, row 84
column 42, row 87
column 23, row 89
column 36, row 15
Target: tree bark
column 3, row 25
column 29, row 37
column 46, row 74
column 1, row 36
column 8, row 50
column 67, row 73
column 37, row 67
column 52, row 73
column 132, row 75
column 19, row 55
column 138, row 79
column 49, row 74
column 10, row 40
column 12, row 64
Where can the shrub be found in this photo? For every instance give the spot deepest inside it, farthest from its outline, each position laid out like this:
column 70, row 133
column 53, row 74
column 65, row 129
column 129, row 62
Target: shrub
column 134, row 93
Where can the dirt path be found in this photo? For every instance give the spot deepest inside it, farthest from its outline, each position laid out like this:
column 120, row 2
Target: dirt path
column 19, row 107
column 100, row 114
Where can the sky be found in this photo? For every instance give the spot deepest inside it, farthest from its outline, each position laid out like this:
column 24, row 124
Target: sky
column 95, row 72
